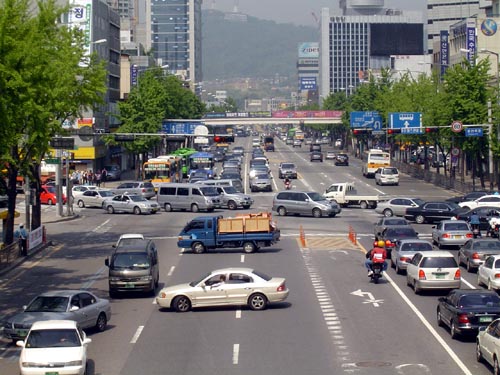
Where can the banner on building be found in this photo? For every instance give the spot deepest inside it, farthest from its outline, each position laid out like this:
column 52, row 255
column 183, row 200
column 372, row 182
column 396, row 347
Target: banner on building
column 134, row 74
column 80, row 17
column 308, row 50
column 471, row 41
column 445, row 51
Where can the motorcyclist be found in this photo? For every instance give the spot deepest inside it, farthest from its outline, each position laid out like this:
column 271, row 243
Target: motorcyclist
column 376, row 255
column 494, row 221
column 474, row 220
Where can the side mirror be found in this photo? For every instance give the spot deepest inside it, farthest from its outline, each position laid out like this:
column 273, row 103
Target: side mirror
column 86, row 341
column 20, row 343
column 203, row 285
column 481, row 328
column 74, row 308
column 106, row 262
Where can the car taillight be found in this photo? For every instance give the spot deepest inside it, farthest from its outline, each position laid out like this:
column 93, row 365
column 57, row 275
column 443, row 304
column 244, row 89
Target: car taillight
column 421, row 275
column 281, row 288
column 497, row 276
column 375, row 244
column 463, row 318
column 143, row 190
column 405, row 259
column 468, row 235
column 446, row 235
column 388, row 243
column 475, row 256
column 457, row 275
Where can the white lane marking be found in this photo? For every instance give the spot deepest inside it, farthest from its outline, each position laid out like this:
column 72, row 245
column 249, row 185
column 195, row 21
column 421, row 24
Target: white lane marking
column 100, row 226
column 242, row 259
column 238, row 314
column 93, row 278
column 236, row 353
column 431, row 329
column 137, row 334
column 468, row 284
column 171, row 271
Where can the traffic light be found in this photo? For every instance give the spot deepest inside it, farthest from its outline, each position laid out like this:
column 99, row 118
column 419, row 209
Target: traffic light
column 224, row 138
column 360, row 131
column 393, row 131
column 431, row 130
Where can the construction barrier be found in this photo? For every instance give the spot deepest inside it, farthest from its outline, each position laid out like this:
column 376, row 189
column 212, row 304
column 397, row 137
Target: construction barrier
column 302, row 237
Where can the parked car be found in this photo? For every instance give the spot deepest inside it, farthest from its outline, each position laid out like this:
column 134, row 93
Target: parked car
column 489, row 273
column 223, row 287
column 48, row 195
column 451, row 233
column 131, row 203
column 474, row 252
column 465, row 310
column 484, row 213
column 113, row 172
column 304, row 203
column 397, row 206
column 88, row 310
column 387, row 176
column 287, row 170
column 433, row 270
column 145, row 189
column 342, row 159
column 316, row 156
column 93, row 198
column 386, row 222
column 488, row 345
column 403, row 252
column 433, row 211
column 391, row 235
column 261, row 182
column 54, row 347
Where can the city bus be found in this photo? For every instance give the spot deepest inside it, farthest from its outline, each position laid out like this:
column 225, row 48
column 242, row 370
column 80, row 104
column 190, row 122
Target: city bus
column 184, row 153
column 202, row 161
column 373, row 160
column 165, row 168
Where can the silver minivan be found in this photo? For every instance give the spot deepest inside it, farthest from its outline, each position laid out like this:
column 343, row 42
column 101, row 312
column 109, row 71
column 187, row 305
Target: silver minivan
column 228, row 195
column 224, row 182
column 304, row 203
column 187, row 197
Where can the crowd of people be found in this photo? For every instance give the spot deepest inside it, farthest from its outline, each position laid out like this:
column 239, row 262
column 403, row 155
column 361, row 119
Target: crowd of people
column 89, row 177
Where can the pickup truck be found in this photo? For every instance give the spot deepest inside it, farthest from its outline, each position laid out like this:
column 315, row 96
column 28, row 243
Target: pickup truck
column 345, row 194
column 250, row 232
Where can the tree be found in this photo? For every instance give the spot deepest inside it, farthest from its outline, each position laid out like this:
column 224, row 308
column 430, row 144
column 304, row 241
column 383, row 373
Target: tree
column 43, row 81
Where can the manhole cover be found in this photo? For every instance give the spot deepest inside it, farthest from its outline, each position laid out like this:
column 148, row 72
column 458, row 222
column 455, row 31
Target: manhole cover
column 373, row 364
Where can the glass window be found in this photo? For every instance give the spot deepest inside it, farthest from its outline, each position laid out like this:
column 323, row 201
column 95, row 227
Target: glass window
column 53, row 338
column 48, row 303
column 183, row 191
column 438, row 262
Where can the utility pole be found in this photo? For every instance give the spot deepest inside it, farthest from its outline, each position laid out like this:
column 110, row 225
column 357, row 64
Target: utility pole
column 490, row 143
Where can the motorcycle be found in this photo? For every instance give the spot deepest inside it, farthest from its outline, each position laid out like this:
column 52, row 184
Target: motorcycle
column 475, row 231
column 377, row 269
column 493, row 229
column 288, row 185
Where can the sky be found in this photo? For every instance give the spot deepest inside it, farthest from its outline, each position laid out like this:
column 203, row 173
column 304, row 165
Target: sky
column 296, row 11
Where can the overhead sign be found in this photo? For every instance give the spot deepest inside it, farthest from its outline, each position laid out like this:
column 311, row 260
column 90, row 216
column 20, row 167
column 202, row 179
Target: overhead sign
column 308, row 83
column 474, row 132
column 408, row 122
column 370, row 120
column 305, row 114
column 171, row 127
column 456, row 126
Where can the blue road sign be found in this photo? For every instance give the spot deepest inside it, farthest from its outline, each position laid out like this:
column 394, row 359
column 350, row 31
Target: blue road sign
column 171, row 127
column 473, row 132
column 370, row 120
column 408, row 122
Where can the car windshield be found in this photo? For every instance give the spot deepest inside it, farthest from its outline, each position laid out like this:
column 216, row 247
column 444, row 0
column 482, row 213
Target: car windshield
column 196, row 282
column 487, row 245
column 418, row 201
column 53, row 338
column 48, row 304
column 130, row 260
column 438, row 262
column 395, row 222
column 137, row 198
column 315, row 197
column 261, row 176
column 416, row 246
column 479, row 300
column 209, row 191
column 106, row 193
column 232, row 190
column 453, row 205
column 390, row 171
column 50, row 189
column 230, row 176
column 400, row 233
column 261, row 275
column 456, row 226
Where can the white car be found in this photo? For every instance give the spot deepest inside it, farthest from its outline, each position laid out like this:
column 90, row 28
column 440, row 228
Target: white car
column 78, row 190
column 486, row 200
column 338, row 142
column 488, row 273
column 433, row 270
column 54, row 347
column 128, row 239
column 488, row 345
column 387, row 176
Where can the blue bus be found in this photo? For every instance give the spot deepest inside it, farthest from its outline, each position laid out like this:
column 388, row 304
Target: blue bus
column 202, row 161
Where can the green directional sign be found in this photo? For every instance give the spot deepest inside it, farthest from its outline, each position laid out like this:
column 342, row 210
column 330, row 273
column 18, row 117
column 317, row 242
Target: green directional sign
column 53, row 161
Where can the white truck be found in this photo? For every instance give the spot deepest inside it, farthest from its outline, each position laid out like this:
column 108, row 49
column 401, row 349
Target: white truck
column 345, row 194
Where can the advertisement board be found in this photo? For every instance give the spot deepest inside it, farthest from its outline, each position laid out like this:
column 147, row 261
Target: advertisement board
column 471, row 41
column 445, row 52
column 80, row 17
column 308, row 83
column 305, row 114
column 309, row 50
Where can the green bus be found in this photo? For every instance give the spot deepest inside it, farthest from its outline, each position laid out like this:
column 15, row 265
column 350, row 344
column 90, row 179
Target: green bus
column 184, row 153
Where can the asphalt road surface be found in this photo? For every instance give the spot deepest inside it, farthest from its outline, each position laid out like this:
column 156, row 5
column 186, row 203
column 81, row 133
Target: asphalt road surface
column 335, row 321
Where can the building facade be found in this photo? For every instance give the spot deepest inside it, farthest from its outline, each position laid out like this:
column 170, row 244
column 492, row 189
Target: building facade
column 308, row 72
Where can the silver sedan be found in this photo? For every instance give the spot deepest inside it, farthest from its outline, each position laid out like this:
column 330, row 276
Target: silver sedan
column 93, row 198
column 397, row 206
column 451, row 233
column 225, row 287
column 476, row 250
column 404, row 251
column 130, row 203
column 385, row 222
column 78, row 305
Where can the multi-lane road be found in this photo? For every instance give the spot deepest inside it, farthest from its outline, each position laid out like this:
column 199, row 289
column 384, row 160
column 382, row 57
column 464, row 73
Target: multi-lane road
column 334, row 321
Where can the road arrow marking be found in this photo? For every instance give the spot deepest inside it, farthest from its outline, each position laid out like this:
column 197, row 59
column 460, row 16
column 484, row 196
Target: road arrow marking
column 371, row 299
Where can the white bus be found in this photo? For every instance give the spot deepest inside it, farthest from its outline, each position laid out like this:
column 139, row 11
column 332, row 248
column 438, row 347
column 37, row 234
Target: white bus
column 373, row 160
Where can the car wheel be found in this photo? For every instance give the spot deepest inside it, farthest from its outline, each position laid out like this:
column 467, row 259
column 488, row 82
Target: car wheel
column 198, row 248
column 137, row 211
column 232, row 205
column 453, row 331
column 479, row 355
column 469, row 266
column 102, row 322
column 496, row 367
column 490, row 285
column 439, row 319
column 282, row 211
column 408, row 281
column 479, row 282
column 388, row 212
column 194, row 208
column 181, row 304
column 316, row 213
column 419, row 219
column 168, row 207
column 257, row 301
column 81, row 204
column 416, row 289
column 398, row 270
column 249, row 247
column 363, row 205
column 49, row 202
column 110, row 210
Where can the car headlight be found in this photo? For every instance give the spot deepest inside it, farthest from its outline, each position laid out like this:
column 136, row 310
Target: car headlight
column 146, row 278
column 74, row 363
column 114, row 278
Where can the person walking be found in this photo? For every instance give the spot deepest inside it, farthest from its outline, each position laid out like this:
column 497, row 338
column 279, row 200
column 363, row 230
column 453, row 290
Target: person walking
column 22, row 237
column 104, row 175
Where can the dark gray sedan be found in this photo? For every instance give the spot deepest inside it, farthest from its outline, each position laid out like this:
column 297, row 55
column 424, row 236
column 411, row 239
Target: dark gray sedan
column 385, row 222
column 475, row 251
column 81, row 306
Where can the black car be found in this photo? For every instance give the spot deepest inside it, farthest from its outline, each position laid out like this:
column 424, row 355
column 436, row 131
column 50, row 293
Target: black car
column 385, row 222
column 391, row 235
column 218, row 156
column 433, row 211
column 485, row 214
column 342, row 159
column 230, row 176
column 465, row 310
column 316, row 156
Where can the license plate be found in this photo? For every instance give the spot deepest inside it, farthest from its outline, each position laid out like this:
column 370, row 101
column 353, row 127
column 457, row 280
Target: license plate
column 52, row 373
column 440, row 275
column 129, row 285
column 485, row 319
column 21, row 332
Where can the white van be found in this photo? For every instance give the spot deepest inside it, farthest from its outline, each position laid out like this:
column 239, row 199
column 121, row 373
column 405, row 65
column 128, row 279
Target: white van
column 192, row 197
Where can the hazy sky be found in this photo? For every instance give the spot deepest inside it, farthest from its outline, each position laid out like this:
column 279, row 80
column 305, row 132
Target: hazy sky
column 296, row 11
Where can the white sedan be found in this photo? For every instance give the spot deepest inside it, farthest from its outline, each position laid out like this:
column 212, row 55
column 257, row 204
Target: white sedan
column 486, row 200
column 225, row 287
column 54, row 347
column 488, row 273
column 488, row 345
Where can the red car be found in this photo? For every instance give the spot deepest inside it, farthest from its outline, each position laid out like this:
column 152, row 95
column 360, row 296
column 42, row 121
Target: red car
column 48, row 195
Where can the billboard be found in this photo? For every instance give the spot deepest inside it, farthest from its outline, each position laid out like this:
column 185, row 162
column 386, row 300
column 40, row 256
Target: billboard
column 80, row 17
column 309, row 50
column 445, row 51
column 305, row 114
column 396, row 39
column 308, row 83
column 471, row 41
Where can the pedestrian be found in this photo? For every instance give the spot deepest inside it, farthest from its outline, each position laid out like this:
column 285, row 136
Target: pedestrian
column 90, row 177
column 97, row 176
column 104, row 175
column 22, row 237
column 84, row 178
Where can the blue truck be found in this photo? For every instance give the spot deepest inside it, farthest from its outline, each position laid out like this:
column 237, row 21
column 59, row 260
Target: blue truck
column 250, row 232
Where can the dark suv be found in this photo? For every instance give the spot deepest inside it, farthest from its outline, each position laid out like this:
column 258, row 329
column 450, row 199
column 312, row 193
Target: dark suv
column 342, row 159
